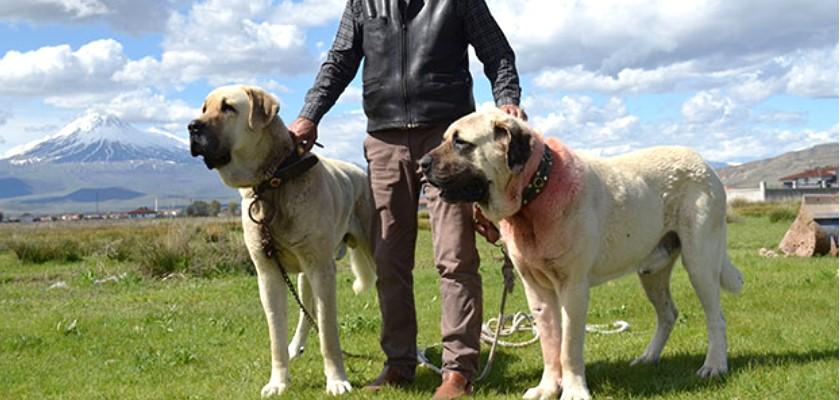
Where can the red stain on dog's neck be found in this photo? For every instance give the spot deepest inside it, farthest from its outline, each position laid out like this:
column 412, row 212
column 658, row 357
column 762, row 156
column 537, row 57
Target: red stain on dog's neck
column 545, row 213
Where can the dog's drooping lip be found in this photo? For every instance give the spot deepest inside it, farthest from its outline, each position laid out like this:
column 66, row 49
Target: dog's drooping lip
column 471, row 190
column 209, row 148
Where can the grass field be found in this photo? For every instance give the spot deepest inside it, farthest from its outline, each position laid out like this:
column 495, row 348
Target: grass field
column 203, row 336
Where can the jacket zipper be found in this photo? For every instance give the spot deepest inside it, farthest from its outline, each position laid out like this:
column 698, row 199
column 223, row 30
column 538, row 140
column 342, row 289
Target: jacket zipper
column 409, row 123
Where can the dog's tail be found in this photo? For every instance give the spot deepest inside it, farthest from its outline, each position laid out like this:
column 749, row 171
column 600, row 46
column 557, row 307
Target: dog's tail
column 730, row 278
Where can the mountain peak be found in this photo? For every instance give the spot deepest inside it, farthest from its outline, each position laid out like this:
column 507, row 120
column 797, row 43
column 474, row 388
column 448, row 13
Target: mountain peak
column 92, row 119
column 97, row 136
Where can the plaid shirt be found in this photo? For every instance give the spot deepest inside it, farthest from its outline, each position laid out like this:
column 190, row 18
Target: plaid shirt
column 345, row 56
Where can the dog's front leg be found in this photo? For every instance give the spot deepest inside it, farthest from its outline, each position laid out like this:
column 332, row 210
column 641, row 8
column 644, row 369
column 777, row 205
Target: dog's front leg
column 545, row 308
column 574, row 300
column 322, row 281
column 273, row 298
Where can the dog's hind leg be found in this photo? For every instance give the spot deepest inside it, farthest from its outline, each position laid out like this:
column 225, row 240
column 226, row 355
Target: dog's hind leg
column 298, row 342
column 704, row 251
column 657, row 288
column 322, row 279
column 361, row 263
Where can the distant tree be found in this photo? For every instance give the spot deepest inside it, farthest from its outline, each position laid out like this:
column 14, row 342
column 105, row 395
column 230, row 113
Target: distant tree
column 1, row 217
column 233, row 207
column 215, row 208
column 198, row 208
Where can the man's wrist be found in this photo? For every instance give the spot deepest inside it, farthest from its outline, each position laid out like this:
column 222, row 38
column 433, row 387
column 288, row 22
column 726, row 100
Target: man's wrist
column 507, row 101
column 311, row 112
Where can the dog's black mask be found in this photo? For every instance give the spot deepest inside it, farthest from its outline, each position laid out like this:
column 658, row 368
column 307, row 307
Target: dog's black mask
column 206, row 144
column 462, row 185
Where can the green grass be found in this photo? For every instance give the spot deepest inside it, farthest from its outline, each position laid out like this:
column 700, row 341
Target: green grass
column 206, row 338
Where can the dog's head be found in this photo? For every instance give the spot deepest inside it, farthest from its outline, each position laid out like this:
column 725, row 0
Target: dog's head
column 238, row 132
column 480, row 160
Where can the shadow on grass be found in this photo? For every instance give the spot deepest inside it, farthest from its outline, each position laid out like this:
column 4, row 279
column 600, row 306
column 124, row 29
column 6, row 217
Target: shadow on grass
column 673, row 374
column 427, row 381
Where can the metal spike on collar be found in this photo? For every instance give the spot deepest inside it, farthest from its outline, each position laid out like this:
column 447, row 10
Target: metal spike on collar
column 540, row 178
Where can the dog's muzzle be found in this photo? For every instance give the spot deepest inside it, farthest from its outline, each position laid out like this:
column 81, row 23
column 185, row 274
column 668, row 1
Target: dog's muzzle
column 206, row 145
column 467, row 185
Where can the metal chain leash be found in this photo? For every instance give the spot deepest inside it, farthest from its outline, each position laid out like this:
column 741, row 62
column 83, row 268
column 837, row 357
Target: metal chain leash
column 267, row 244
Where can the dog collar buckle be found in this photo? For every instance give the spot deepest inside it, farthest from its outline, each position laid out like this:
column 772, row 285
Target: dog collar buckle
column 540, row 178
column 275, row 182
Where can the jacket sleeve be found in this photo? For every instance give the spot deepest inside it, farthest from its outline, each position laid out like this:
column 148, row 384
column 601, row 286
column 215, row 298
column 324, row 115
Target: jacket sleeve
column 494, row 51
column 338, row 69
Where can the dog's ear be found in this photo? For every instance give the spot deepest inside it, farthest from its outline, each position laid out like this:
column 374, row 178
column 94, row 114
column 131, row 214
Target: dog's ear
column 264, row 108
column 518, row 143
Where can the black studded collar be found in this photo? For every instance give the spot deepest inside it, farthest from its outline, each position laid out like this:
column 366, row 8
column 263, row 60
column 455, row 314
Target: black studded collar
column 540, row 178
column 287, row 170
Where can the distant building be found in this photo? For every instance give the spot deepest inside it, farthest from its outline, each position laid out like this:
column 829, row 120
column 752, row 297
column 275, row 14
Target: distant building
column 822, row 177
column 171, row 213
column 142, row 213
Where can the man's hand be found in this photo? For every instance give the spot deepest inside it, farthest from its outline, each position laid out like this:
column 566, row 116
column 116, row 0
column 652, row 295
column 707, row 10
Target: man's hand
column 514, row 110
column 484, row 227
column 304, row 133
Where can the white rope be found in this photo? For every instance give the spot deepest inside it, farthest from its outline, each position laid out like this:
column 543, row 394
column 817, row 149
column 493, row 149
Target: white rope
column 506, row 325
column 518, row 322
column 611, row 329
column 515, row 323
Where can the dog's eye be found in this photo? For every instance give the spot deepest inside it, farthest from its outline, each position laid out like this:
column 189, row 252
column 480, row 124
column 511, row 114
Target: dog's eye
column 204, row 109
column 227, row 108
column 460, row 145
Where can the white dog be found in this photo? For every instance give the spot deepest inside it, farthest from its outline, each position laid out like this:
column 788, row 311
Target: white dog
column 570, row 222
column 315, row 215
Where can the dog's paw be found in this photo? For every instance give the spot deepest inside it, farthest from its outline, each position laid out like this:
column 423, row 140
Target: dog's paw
column 336, row 387
column 295, row 351
column 645, row 358
column 542, row 392
column 711, row 371
column 575, row 393
column 273, row 388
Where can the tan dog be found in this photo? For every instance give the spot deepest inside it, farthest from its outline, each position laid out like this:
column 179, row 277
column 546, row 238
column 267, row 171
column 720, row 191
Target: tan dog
column 317, row 214
column 594, row 220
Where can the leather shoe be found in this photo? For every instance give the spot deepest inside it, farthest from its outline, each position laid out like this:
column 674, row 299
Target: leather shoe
column 454, row 386
column 392, row 376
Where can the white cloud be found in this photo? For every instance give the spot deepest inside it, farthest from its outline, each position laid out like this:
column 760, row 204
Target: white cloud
column 342, row 136
column 629, row 80
column 308, row 12
column 223, row 42
column 640, row 46
column 717, row 126
column 582, row 123
column 145, row 106
column 711, row 108
column 351, row 95
column 611, row 35
column 51, row 9
column 58, row 69
column 814, row 74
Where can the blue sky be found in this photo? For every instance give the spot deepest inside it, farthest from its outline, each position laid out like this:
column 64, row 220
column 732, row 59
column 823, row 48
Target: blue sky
column 733, row 81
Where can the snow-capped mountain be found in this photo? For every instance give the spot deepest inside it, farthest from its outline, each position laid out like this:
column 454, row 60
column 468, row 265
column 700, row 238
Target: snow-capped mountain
column 98, row 162
column 99, row 137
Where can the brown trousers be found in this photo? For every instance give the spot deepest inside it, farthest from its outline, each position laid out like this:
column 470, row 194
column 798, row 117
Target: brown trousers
column 395, row 181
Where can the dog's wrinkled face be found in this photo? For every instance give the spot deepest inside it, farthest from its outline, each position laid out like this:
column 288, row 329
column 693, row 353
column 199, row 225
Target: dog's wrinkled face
column 232, row 134
column 479, row 156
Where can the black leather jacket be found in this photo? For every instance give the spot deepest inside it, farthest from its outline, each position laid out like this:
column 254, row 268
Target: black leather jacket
column 416, row 68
